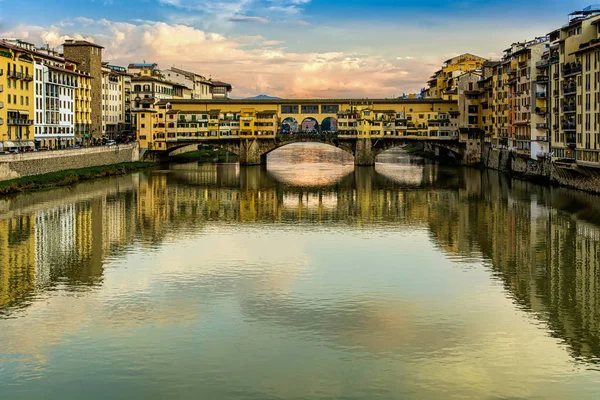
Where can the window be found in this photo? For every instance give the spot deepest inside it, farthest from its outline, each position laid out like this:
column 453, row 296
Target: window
column 289, row 109
column 310, row 109
column 330, row 109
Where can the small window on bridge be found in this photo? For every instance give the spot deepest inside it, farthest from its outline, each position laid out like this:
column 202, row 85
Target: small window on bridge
column 289, row 109
column 310, row 109
column 330, row 109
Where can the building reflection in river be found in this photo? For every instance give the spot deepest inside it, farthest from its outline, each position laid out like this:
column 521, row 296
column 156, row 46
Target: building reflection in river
column 546, row 258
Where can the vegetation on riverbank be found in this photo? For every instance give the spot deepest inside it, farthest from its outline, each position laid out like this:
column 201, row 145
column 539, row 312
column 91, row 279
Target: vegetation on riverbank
column 205, row 155
column 68, row 177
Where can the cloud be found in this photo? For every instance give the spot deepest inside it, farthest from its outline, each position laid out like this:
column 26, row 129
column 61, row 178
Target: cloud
column 245, row 18
column 252, row 64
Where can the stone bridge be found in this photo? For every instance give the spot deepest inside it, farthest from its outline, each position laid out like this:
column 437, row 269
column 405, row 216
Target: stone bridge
column 254, row 151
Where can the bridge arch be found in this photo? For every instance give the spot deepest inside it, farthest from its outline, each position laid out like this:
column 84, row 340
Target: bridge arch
column 289, row 125
column 310, row 125
column 345, row 147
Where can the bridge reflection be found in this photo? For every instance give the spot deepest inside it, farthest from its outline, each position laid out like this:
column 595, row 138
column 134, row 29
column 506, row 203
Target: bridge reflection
column 546, row 257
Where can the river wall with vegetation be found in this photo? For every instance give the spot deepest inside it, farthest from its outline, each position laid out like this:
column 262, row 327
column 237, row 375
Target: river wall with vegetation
column 13, row 166
column 68, row 177
column 542, row 170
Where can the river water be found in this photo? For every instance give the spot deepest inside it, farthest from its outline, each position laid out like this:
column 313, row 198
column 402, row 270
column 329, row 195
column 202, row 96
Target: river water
column 308, row 279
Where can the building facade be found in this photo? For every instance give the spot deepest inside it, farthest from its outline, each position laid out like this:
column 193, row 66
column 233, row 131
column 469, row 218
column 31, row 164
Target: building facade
column 16, row 97
column 88, row 57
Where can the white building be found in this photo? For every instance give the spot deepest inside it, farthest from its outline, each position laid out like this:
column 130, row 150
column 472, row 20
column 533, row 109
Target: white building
column 54, row 121
column 113, row 112
column 200, row 86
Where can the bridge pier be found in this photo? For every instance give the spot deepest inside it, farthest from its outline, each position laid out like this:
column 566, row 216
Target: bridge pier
column 364, row 153
column 251, row 153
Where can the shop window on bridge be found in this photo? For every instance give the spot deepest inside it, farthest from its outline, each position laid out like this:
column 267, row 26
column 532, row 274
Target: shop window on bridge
column 289, row 109
column 310, row 109
column 330, row 109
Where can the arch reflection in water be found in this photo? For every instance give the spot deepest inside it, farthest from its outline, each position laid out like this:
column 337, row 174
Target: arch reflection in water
column 193, row 246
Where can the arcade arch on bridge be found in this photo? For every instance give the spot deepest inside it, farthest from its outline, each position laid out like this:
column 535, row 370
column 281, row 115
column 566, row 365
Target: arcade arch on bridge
column 310, row 125
column 289, row 125
column 329, row 124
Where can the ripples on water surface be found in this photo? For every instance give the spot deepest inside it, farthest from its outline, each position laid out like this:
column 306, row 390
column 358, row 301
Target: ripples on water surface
column 307, row 279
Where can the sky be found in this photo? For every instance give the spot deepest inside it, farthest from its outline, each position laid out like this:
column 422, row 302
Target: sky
column 291, row 48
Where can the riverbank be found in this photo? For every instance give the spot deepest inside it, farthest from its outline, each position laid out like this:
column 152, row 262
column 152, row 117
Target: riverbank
column 203, row 155
column 69, row 177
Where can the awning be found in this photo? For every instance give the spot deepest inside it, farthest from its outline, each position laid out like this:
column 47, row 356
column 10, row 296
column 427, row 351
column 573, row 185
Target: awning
column 24, row 112
column 26, row 143
column 8, row 144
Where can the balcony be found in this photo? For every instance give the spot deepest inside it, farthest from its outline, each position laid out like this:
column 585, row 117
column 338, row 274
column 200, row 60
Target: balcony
column 541, row 110
column 570, row 108
column 14, row 74
column 19, row 121
column 542, row 125
column 542, row 64
column 541, row 79
column 27, row 78
column 541, row 138
column 541, row 95
column 569, row 90
column 569, row 126
column 571, row 141
column 571, row 70
column 523, row 64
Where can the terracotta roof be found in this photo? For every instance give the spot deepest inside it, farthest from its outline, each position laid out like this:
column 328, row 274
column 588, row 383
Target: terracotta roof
column 307, row 101
column 68, row 71
column 81, row 43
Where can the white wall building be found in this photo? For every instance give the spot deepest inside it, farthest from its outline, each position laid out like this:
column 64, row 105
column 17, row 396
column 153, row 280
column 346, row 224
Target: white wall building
column 112, row 103
column 54, row 95
column 200, row 86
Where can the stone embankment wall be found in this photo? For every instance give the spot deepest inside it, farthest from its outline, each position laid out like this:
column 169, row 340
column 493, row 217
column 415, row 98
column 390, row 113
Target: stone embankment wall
column 14, row 166
column 543, row 170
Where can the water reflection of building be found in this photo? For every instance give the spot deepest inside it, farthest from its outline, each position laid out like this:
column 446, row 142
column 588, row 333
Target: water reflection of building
column 546, row 259
column 17, row 260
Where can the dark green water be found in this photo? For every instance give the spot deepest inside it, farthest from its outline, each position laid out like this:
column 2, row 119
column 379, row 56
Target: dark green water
column 306, row 280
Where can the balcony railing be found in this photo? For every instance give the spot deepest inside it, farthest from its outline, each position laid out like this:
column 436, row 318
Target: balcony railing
column 569, row 108
column 541, row 110
column 541, row 138
column 568, row 90
column 571, row 141
column 542, row 64
column 542, row 125
column 541, row 95
column 572, row 70
column 569, row 126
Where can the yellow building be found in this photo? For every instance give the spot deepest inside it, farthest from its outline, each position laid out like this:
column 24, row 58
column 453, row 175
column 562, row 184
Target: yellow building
column 575, row 72
column 178, row 120
column 83, row 107
column 444, row 84
column 16, row 97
